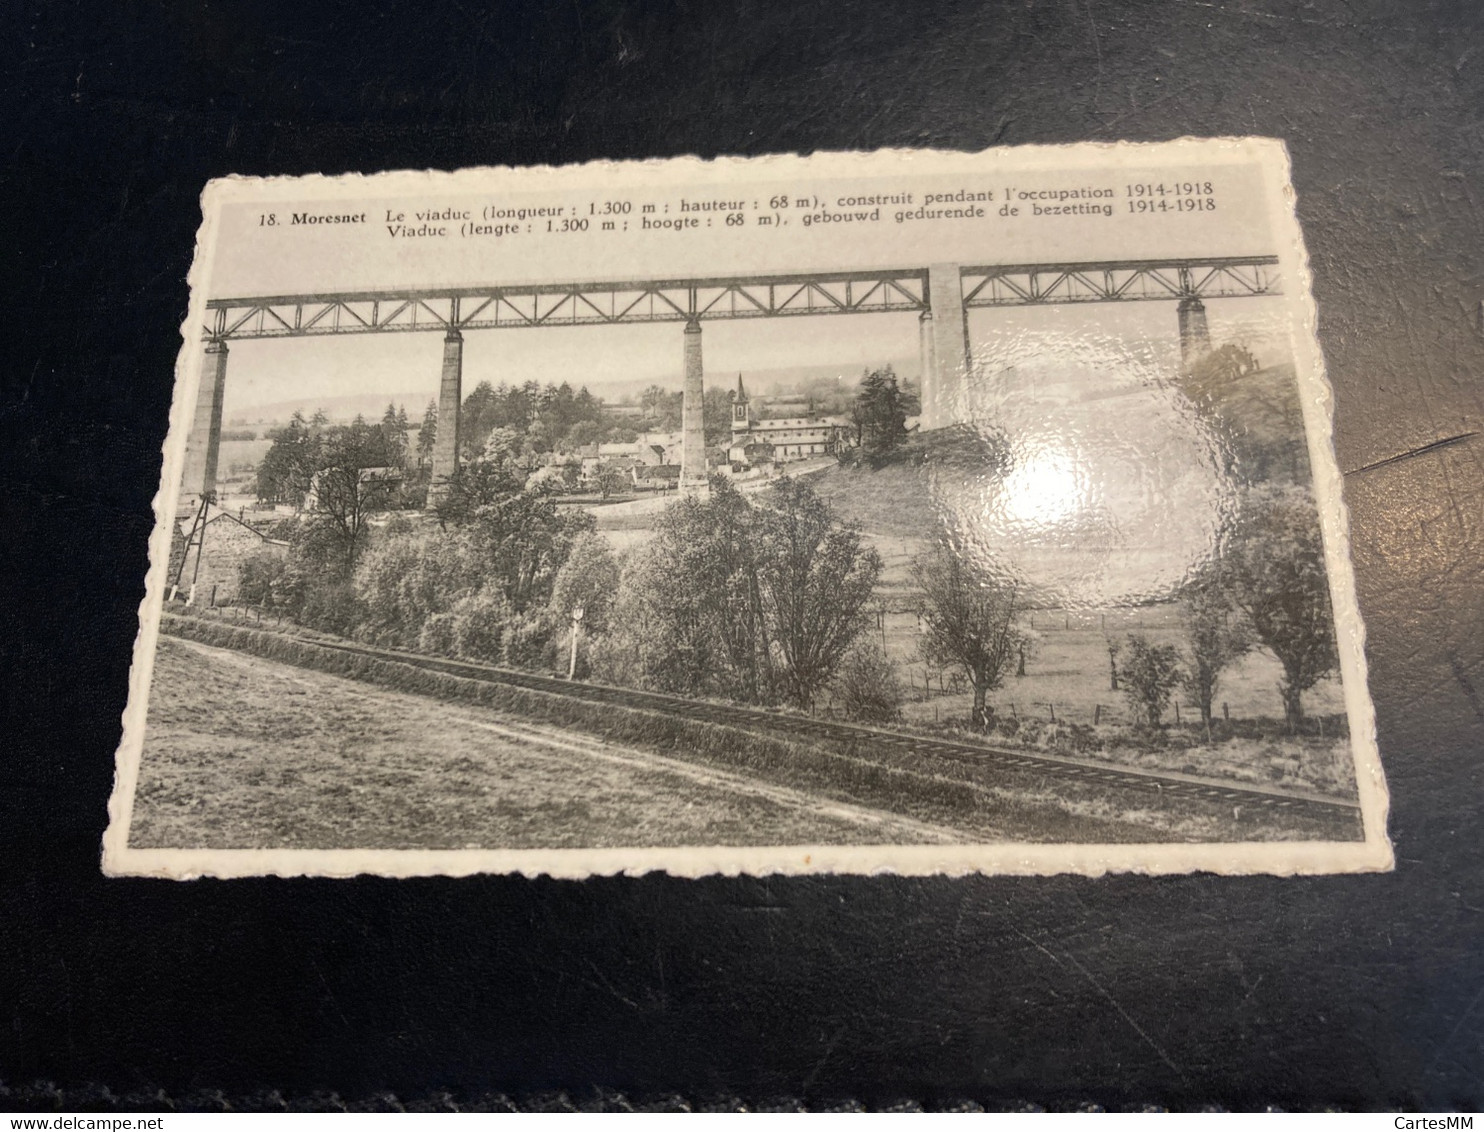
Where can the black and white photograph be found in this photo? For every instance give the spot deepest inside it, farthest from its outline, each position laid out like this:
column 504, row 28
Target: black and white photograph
column 905, row 512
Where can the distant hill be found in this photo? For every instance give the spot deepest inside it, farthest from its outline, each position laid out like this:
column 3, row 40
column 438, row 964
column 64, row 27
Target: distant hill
column 338, row 409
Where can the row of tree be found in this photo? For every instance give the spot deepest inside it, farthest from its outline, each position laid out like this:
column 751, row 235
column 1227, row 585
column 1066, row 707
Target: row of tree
column 759, row 602
column 545, row 416
column 308, row 448
column 1269, row 588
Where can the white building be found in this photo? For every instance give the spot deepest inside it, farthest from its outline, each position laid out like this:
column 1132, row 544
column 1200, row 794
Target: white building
column 790, row 438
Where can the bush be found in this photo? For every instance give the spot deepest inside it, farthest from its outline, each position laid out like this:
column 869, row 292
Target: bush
column 257, row 576
column 478, row 623
column 1150, row 674
column 615, row 658
column 437, row 636
column 530, row 641
column 867, row 684
column 332, row 607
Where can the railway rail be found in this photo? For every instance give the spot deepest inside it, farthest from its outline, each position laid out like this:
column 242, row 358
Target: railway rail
column 1164, row 784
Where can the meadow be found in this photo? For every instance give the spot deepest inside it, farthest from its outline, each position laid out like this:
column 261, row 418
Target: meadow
column 1065, row 700
column 246, row 752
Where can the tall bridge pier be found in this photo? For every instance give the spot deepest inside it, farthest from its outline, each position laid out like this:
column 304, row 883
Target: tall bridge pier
column 450, row 407
column 940, row 294
column 1195, row 337
column 693, row 412
column 947, row 358
column 203, row 444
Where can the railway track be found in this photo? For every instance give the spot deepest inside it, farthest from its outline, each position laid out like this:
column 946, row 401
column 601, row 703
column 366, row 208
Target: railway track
column 1164, row 784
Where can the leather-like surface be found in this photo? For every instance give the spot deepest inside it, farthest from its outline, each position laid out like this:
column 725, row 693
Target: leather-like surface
column 1365, row 990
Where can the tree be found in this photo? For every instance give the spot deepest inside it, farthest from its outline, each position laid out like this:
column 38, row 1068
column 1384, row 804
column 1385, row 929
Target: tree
column 581, row 434
column 816, row 576
column 427, row 436
column 350, row 487
column 259, row 579
column 394, row 434
column 288, row 467
column 477, row 626
column 588, row 580
column 538, row 438
column 522, row 541
column 707, row 636
column 501, row 444
column 1150, row 674
column 477, row 418
column 610, row 477
column 1224, row 364
column 1212, row 639
column 1276, row 576
column 476, row 485
column 879, row 418
column 716, row 416
column 407, row 579
column 968, row 620
column 772, row 596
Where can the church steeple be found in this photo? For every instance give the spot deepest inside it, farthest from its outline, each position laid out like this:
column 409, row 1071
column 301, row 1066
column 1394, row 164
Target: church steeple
column 741, row 421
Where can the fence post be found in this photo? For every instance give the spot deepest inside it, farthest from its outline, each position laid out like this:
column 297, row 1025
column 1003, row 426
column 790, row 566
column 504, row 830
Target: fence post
column 1177, row 713
column 1097, row 713
column 1013, row 712
column 1226, row 711
column 1052, row 709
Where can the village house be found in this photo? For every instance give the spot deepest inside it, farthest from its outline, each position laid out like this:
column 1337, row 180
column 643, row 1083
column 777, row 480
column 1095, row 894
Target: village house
column 655, row 477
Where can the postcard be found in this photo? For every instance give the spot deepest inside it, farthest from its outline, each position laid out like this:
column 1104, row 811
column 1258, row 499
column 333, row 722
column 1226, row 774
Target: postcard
column 911, row 511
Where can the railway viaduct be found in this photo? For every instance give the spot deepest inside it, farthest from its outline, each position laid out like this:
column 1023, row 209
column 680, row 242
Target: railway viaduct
column 940, row 294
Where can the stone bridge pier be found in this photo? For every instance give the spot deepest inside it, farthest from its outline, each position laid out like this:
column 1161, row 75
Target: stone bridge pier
column 944, row 340
column 692, row 412
column 1195, row 336
column 450, row 402
column 204, row 442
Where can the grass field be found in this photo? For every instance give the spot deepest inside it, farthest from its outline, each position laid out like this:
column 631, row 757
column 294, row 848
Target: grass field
column 242, row 752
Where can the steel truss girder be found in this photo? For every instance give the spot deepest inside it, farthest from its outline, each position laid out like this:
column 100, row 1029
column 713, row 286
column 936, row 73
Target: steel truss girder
column 1120, row 281
column 575, row 304
column 765, row 296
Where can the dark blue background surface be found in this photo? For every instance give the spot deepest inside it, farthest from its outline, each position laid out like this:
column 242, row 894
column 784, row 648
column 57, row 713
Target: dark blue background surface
column 1123, row 991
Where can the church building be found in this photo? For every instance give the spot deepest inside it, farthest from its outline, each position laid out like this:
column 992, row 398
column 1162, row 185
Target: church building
column 787, row 438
